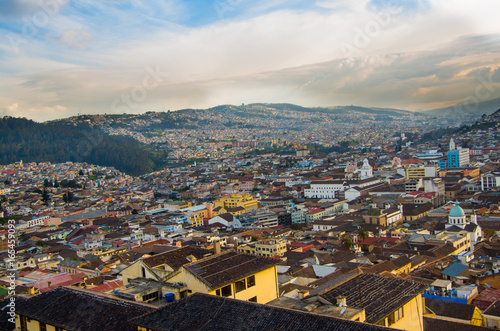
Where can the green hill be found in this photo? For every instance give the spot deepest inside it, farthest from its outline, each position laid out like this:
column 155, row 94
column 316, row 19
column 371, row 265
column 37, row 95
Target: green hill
column 22, row 139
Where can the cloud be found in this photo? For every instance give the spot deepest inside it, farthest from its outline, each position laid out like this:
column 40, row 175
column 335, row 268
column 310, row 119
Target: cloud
column 75, row 38
column 93, row 52
column 15, row 110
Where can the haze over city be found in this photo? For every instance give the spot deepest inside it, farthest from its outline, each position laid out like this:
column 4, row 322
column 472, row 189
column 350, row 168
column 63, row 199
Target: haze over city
column 61, row 58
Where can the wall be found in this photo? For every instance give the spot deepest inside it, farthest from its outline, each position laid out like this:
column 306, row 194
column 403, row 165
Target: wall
column 412, row 316
column 265, row 289
column 33, row 325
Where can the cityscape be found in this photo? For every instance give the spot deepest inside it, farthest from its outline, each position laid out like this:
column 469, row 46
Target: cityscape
column 249, row 165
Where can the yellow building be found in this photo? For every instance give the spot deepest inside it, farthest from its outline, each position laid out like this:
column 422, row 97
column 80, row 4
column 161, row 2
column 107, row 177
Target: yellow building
column 266, row 247
column 245, row 201
column 232, row 275
column 461, row 241
column 389, row 302
column 455, row 311
column 492, row 315
column 420, row 171
column 67, row 308
column 160, row 266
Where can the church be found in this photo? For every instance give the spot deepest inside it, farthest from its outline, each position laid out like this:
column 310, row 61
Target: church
column 458, row 221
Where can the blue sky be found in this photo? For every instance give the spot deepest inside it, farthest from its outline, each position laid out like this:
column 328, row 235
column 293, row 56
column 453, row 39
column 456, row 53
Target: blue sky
column 60, row 57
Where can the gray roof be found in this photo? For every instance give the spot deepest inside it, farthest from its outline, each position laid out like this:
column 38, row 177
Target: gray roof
column 70, row 263
column 82, row 216
column 208, row 312
column 77, row 309
column 378, row 295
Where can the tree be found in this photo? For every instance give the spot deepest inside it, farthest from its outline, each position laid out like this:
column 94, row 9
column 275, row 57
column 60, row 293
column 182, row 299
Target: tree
column 45, row 196
column 134, row 212
column 489, row 233
column 346, row 242
column 374, row 212
column 362, row 234
column 47, row 183
column 56, row 184
column 68, row 197
column 81, row 172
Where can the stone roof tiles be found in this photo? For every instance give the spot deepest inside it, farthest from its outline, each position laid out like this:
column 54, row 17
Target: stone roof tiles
column 77, row 309
column 378, row 295
column 206, row 312
column 218, row 270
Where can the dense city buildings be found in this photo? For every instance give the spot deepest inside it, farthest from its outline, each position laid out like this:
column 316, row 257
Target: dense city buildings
column 287, row 232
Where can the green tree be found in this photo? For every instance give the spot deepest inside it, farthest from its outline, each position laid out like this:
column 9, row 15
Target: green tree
column 374, row 212
column 362, row 234
column 47, row 183
column 45, row 196
column 346, row 242
column 134, row 212
column 489, row 233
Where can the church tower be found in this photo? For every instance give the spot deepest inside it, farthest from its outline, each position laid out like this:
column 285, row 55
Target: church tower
column 366, row 171
column 452, row 145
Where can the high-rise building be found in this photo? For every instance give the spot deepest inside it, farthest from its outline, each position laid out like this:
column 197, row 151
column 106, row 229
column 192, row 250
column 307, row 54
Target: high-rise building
column 458, row 158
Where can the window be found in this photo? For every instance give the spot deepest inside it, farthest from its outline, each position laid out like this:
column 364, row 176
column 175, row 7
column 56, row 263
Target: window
column 254, row 299
column 24, row 323
column 224, row 291
column 150, row 296
column 59, row 329
column 251, row 281
column 396, row 316
column 240, row 286
column 43, row 326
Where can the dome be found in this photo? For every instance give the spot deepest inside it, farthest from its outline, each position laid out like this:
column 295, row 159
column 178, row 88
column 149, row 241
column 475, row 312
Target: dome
column 456, row 211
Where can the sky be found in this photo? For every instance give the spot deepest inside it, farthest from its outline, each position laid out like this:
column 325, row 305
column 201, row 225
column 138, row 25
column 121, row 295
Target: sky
column 60, row 58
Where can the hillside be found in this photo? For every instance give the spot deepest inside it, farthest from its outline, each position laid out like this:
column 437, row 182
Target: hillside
column 466, row 110
column 274, row 116
column 22, row 139
column 484, row 123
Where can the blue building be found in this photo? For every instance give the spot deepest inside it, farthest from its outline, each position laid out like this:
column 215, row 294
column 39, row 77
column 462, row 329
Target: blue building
column 457, row 158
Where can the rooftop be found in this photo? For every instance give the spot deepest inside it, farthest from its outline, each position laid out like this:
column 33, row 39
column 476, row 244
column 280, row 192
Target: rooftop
column 208, row 312
column 77, row 309
column 221, row 269
column 378, row 295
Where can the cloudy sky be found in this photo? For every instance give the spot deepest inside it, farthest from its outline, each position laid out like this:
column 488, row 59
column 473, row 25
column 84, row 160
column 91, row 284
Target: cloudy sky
column 60, row 57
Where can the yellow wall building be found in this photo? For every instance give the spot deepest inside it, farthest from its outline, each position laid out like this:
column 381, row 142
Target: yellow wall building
column 267, row 247
column 233, row 275
column 246, row 201
column 387, row 301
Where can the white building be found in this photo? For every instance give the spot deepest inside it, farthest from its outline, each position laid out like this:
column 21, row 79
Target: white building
column 324, row 189
column 490, row 181
column 366, row 170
